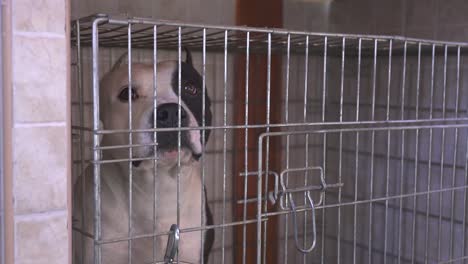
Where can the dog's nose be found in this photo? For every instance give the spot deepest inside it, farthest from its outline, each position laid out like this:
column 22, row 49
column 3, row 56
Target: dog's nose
column 168, row 115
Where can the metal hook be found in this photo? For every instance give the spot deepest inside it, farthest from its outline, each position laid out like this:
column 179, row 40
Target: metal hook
column 172, row 244
column 314, row 233
column 284, row 190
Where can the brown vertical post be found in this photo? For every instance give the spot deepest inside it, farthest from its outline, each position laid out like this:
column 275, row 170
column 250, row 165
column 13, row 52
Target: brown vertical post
column 259, row 13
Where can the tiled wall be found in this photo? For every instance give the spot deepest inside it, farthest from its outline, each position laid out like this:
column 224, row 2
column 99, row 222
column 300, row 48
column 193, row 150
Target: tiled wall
column 40, row 130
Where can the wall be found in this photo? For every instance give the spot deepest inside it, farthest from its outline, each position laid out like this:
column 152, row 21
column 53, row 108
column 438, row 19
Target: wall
column 2, row 209
column 37, row 131
column 195, row 11
column 429, row 19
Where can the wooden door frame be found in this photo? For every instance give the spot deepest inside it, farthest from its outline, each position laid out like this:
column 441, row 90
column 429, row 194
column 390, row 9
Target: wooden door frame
column 259, row 13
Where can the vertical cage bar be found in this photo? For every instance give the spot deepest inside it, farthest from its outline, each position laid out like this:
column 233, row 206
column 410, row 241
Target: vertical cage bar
column 82, row 144
column 387, row 173
column 371, row 184
column 246, row 146
column 2, row 202
column 306, row 79
column 286, row 105
column 324, row 92
column 155, row 134
column 465, row 195
column 267, row 150
column 203, row 132
column 402, row 153
column 442, row 156
column 356, row 171
column 338, row 240
column 130, row 149
column 259, row 200
column 179, row 117
column 454, row 165
column 416, row 158
column 96, row 143
column 224, row 146
column 429, row 176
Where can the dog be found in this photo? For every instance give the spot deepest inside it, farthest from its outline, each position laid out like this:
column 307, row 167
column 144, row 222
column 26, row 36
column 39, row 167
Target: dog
column 154, row 188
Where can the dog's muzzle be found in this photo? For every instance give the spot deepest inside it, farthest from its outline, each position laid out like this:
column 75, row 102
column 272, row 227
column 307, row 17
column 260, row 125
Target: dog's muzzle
column 167, row 116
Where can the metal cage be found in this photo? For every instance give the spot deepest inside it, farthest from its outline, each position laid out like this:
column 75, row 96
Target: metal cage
column 333, row 148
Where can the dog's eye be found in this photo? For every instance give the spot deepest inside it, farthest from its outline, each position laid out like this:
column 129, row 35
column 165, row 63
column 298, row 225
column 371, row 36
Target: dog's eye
column 190, row 89
column 123, row 95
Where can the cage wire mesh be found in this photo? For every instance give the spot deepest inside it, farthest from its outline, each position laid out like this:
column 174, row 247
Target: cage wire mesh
column 347, row 149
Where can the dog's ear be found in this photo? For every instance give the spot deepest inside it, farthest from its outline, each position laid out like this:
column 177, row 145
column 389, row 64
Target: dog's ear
column 188, row 58
column 122, row 59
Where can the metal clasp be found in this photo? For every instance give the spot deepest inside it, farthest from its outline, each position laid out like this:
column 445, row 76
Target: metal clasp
column 284, row 190
column 310, row 202
column 172, row 244
column 294, row 216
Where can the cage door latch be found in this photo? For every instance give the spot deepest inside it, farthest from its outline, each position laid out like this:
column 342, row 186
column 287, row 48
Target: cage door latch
column 285, row 192
column 294, row 216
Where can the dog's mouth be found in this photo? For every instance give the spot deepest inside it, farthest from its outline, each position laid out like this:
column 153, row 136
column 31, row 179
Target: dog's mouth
column 168, row 155
column 168, row 147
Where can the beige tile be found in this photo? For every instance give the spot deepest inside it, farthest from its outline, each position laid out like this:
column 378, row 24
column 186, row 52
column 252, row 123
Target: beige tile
column 42, row 239
column 38, row 58
column 39, row 167
column 39, row 79
column 41, row 102
column 39, row 15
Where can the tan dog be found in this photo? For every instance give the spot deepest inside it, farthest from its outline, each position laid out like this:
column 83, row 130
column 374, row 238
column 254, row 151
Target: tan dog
column 114, row 97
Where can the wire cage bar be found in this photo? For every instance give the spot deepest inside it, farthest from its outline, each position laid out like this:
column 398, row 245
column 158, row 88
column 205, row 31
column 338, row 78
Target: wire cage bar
column 323, row 148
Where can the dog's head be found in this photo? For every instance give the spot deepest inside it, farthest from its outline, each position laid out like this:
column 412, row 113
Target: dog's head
column 115, row 93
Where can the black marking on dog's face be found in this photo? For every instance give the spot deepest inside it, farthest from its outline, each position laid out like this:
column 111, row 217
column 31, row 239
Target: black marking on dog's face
column 192, row 93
